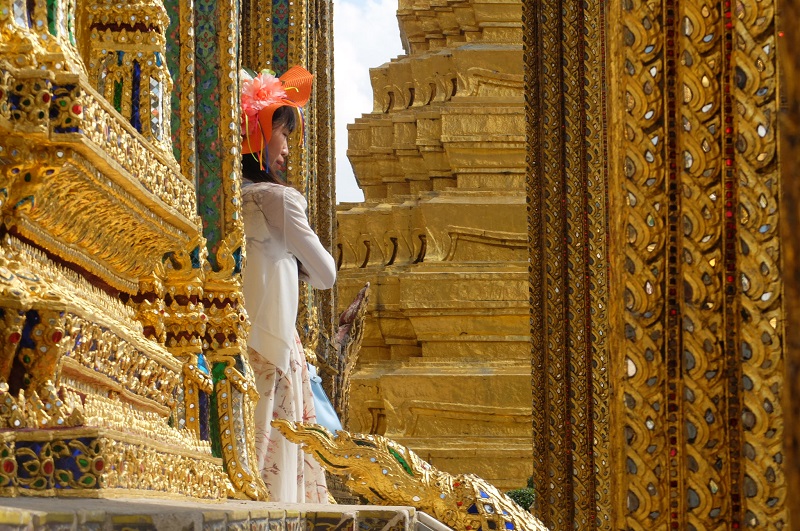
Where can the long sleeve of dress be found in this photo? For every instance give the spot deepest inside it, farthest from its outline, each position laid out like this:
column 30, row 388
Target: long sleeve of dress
column 304, row 244
column 278, row 236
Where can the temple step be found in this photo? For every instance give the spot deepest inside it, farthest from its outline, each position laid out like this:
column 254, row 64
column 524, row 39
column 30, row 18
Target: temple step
column 38, row 514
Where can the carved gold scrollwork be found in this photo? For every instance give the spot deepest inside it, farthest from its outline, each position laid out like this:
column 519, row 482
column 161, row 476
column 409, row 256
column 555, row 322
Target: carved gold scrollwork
column 754, row 81
column 645, row 235
column 62, row 216
column 10, row 332
column 195, row 381
column 39, row 361
column 482, row 81
column 701, row 293
column 125, row 48
column 698, row 153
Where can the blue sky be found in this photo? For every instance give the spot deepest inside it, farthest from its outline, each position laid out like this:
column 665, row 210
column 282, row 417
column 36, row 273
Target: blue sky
column 366, row 35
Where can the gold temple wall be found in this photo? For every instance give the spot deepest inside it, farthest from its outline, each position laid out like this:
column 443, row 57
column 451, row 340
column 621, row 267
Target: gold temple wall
column 656, row 252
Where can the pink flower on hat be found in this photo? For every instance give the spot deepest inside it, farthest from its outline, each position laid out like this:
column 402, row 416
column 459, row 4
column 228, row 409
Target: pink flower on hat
column 262, row 91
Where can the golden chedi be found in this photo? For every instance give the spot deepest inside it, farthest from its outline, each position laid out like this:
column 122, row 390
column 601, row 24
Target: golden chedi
column 441, row 236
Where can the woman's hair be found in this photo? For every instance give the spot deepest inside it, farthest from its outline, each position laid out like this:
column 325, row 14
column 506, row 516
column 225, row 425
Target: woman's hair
column 284, row 116
column 251, row 166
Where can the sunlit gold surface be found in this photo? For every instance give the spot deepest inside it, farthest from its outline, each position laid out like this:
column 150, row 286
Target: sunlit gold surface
column 90, row 369
column 444, row 365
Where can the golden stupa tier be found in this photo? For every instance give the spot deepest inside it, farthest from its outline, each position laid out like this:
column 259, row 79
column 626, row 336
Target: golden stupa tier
column 442, row 238
column 425, row 25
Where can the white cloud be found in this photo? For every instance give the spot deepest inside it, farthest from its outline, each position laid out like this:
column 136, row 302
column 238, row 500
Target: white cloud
column 366, row 35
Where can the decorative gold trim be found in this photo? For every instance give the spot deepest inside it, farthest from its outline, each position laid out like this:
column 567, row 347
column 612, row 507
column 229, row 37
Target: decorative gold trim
column 229, row 126
column 110, row 464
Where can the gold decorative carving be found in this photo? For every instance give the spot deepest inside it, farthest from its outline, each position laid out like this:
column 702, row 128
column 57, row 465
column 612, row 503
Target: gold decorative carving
column 645, row 190
column 62, row 216
column 188, row 147
column 256, row 33
column 91, row 462
column 229, row 127
column 125, row 50
column 751, row 98
column 236, row 398
column 80, row 359
column 485, row 242
column 322, row 139
column 309, row 334
column 675, row 144
column 75, row 335
column 36, row 412
column 387, row 473
column 64, row 107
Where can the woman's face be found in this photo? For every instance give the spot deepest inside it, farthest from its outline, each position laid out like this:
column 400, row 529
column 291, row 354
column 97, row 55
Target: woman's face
column 278, row 150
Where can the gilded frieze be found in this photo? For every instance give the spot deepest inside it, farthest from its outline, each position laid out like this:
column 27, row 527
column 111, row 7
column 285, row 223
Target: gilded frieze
column 322, row 138
column 91, row 462
column 61, row 214
column 92, row 149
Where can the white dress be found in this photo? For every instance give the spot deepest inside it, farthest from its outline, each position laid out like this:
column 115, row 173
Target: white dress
column 278, row 236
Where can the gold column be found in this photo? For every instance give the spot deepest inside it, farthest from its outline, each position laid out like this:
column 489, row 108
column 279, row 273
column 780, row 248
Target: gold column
column 324, row 183
column 789, row 151
column 693, row 341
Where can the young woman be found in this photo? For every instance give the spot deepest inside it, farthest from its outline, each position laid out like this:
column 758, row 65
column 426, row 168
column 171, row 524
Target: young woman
column 281, row 249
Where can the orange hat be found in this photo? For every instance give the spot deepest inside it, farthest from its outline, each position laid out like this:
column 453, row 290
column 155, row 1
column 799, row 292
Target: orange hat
column 262, row 96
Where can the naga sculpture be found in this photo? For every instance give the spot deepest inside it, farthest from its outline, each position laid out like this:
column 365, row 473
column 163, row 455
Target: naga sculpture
column 347, row 345
column 387, row 473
